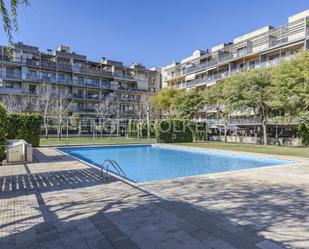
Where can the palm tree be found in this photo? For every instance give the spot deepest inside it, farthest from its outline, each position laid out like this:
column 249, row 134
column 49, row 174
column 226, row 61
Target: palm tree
column 9, row 16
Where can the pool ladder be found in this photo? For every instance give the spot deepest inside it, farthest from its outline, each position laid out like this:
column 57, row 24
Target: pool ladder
column 105, row 167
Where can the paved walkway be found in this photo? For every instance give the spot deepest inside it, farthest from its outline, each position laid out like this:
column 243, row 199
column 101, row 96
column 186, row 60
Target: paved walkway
column 59, row 202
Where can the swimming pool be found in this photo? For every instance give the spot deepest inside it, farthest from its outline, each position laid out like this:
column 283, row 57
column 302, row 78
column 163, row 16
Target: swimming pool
column 145, row 163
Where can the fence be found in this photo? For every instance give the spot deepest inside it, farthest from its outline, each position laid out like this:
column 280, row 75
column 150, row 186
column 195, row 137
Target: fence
column 70, row 130
column 81, row 131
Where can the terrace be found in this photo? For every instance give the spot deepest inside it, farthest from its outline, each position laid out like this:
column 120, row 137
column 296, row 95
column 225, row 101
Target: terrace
column 244, row 209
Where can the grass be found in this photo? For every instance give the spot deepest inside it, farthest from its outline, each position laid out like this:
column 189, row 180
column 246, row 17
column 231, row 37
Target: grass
column 269, row 149
column 90, row 140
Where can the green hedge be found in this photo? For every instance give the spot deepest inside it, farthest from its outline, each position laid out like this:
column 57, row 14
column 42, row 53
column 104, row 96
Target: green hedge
column 3, row 131
column 25, row 126
column 199, row 132
column 133, row 128
column 303, row 129
column 179, row 131
column 174, row 131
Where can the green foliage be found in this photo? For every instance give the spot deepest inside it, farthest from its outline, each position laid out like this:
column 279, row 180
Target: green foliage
column 199, row 132
column 134, row 127
column 174, row 131
column 3, row 130
column 162, row 102
column 291, row 85
column 25, row 126
column 303, row 128
column 187, row 104
column 75, row 119
column 9, row 16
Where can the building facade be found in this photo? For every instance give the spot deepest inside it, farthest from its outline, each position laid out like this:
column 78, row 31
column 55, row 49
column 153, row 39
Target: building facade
column 25, row 71
column 264, row 47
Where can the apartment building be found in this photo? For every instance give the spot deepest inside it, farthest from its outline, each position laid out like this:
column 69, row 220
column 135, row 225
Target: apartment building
column 264, row 47
column 85, row 84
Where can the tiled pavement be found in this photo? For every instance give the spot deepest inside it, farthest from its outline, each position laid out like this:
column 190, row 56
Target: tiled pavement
column 59, row 202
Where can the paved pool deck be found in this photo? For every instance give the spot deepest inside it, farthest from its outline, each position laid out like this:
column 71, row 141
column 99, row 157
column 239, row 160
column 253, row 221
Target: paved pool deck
column 59, row 202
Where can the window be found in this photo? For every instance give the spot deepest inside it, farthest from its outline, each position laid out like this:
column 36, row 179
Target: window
column 32, row 74
column 32, row 89
column 61, row 77
column 44, row 75
column 9, row 85
column 80, row 80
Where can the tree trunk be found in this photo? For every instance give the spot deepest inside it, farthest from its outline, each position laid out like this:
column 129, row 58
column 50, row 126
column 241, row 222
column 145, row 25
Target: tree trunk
column 225, row 133
column 101, row 128
column 79, row 128
column 59, row 132
column 148, row 127
column 264, row 132
column 46, row 128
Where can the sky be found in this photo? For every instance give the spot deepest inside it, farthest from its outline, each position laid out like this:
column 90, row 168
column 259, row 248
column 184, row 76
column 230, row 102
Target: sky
column 153, row 33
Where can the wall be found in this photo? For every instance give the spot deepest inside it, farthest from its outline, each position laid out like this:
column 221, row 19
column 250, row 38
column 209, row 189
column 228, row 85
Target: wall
column 256, row 140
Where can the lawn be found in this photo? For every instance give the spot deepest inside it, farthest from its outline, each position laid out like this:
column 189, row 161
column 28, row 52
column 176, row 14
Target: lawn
column 269, row 149
column 90, row 140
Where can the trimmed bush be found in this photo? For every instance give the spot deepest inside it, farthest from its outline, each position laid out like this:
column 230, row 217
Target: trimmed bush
column 199, row 132
column 133, row 129
column 3, row 131
column 25, row 126
column 174, row 131
column 303, row 129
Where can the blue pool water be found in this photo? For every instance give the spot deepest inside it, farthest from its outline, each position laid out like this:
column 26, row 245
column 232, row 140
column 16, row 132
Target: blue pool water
column 144, row 163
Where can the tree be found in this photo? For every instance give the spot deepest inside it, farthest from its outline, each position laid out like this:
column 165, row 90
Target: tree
column 9, row 17
column 291, row 85
column 60, row 110
column 15, row 103
column 75, row 121
column 3, row 131
column 291, row 91
column 162, row 102
column 186, row 104
column 46, row 101
column 252, row 91
column 218, row 96
column 102, row 110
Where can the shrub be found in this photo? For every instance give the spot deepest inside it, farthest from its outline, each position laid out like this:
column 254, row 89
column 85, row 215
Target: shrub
column 25, row 126
column 3, row 131
column 303, row 129
column 133, row 129
column 199, row 132
column 174, row 131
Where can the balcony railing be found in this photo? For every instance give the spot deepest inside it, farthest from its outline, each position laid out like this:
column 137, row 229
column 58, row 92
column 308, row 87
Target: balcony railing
column 11, row 90
column 213, row 78
column 9, row 75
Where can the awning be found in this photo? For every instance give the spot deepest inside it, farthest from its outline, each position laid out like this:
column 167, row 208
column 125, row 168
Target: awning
column 190, row 77
column 211, row 83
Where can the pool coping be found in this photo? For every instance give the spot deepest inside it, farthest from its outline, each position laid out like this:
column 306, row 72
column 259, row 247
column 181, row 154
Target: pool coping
column 293, row 161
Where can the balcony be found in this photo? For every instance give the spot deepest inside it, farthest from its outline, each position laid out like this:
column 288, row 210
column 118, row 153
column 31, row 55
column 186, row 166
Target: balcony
column 123, row 76
column 78, row 96
column 11, row 90
column 93, row 97
column 96, row 72
column 49, row 65
column 9, row 75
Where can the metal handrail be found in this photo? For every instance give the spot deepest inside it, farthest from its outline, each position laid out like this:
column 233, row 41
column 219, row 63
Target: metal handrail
column 115, row 165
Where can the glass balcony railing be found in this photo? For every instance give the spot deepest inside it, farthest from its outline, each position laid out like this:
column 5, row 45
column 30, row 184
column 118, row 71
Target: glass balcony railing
column 215, row 77
column 9, row 90
column 10, row 75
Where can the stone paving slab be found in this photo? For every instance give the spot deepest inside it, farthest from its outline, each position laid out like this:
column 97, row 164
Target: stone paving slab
column 59, row 202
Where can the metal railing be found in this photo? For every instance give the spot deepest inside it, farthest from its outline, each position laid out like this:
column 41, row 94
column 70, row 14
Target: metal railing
column 105, row 167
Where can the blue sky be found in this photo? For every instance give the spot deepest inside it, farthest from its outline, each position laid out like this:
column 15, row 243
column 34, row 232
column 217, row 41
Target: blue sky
column 151, row 32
